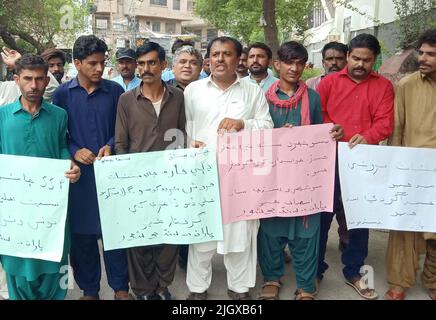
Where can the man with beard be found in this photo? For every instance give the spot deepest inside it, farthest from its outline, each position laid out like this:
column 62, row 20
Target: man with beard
column 91, row 104
column 126, row 66
column 9, row 90
column 415, row 118
column 56, row 61
column 362, row 102
column 242, row 69
column 258, row 61
column 334, row 58
column 33, row 127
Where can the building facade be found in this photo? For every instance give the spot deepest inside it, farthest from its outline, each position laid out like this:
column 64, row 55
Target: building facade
column 128, row 23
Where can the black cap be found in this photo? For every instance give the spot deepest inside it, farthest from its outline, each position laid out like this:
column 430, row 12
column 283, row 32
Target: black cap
column 126, row 53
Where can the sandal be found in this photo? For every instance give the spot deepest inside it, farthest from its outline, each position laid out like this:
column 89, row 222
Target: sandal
column 270, row 290
column 395, row 295
column 303, row 295
column 365, row 293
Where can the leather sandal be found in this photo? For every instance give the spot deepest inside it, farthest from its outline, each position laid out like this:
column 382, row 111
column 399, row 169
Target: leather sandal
column 300, row 294
column 270, row 290
column 395, row 295
column 365, row 293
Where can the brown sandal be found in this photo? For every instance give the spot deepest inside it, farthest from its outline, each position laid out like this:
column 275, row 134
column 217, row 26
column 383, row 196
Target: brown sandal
column 395, row 295
column 303, row 295
column 366, row 293
column 270, row 290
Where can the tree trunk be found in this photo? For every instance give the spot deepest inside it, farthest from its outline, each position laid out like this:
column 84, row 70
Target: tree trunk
column 270, row 29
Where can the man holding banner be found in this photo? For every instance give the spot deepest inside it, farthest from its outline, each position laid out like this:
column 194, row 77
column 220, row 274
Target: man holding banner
column 415, row 116
column 222, row 102
column 148, row 117
column 291, row 103
column 32, row 278
column 362, row 102
column 91, row 104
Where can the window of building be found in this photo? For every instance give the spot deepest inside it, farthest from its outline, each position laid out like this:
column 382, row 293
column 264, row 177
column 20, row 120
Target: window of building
column 211, row 34
column 191, row 5
column 176, row 4
column 159, row 2
column 170, row 27
column 317, row 17
column 101, row 23
column 155, row 26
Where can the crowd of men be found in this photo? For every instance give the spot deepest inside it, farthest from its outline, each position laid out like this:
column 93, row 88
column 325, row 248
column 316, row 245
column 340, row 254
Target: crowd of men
column 230, row 89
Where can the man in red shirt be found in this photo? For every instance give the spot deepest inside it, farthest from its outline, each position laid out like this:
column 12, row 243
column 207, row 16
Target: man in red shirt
column 363, row 103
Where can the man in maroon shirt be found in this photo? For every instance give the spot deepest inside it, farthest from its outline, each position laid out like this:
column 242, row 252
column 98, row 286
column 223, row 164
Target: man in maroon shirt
column 363, row 103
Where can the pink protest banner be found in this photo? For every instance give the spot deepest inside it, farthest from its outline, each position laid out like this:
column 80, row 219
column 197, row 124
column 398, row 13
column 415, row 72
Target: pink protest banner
column 286, row 172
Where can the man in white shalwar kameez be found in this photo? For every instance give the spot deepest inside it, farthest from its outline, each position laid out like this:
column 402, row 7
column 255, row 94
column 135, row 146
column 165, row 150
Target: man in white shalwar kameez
column 221, row 102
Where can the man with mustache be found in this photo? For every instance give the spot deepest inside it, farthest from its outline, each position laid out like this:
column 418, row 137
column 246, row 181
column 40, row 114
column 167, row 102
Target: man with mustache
column 222, row 102
column 362, row 102
column 9, row 91
column 258, row 61
column 31, row 126
column 145, row 115
column 334, row 58
column 415, row 118
column 56, row 61
column 126, row 67
column 91, row 104
column 242, row 69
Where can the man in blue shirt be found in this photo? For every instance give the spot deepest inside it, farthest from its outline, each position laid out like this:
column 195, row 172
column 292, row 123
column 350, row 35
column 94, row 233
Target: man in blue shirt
column 126, row 67
column 91, row 104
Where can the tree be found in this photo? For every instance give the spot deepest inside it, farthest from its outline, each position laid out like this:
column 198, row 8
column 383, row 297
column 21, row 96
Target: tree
column 33, row 25
column 413, row 17
column 246, row 19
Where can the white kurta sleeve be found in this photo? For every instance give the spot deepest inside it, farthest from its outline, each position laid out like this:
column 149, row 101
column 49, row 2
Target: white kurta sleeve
column 261, row 116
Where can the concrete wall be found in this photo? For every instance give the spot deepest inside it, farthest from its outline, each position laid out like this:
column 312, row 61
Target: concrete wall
column 387, row 30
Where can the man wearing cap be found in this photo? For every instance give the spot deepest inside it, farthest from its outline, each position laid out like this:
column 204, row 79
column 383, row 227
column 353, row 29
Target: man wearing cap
column 126, row 67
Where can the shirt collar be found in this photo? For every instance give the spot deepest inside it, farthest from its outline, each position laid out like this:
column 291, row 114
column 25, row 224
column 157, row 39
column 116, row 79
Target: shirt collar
column 75, row 83
column 17, row 107
column 425, row 77
column 211, row 82
column 278, row 90
column 138, row 92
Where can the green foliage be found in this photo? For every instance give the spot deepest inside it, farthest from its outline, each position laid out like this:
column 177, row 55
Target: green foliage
column 241, row 18
column 414, row 17
column 38, row 22
column 310, row 73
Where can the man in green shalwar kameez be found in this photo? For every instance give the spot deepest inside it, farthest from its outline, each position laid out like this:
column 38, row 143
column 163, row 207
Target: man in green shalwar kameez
column 32, row 127
column 291, row 104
